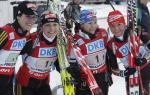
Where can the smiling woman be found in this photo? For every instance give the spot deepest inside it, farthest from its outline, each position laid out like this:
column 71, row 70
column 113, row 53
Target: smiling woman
column 49, row 25
column 40, row 58
column 13, row 38
column 26, row 21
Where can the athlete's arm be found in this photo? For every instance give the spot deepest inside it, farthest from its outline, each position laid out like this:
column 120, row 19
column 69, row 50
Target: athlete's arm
column 3, row 38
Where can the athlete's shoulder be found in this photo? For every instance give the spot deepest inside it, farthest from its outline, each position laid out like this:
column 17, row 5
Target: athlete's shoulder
column 3, row 36
column 34, row 35
column 103, row 32
column 7, row 28
column 77, row 36
column 102, row 29
column 110, row 42
column 79, row 39
column 3, row 32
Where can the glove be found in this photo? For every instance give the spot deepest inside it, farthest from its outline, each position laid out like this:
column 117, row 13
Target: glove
column 97, row 91
column 74, row 70
column 140, row 61
column 69, row 24
column 108, row 79
column 129, row 71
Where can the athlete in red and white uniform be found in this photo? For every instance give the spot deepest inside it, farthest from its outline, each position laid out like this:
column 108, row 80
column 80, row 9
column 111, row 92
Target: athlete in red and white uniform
column 33, row 75
column 92, row 41
column 119, row 45
column 12, row 39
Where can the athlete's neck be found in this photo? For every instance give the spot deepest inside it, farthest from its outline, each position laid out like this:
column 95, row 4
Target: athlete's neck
column 48, row 39
column 120, row 38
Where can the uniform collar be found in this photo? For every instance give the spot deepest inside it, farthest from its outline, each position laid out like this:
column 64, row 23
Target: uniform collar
column 88, row 35
column 125, row 37
column 47, row 41
column 18, row 29
column 84, row 35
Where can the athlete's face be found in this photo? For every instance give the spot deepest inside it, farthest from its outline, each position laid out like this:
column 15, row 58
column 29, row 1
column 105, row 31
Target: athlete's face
column 50, row 29
column 118, row 29
column 90, row 27
column 26, row 21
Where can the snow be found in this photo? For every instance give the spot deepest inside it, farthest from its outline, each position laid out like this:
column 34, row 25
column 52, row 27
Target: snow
column 118, row 87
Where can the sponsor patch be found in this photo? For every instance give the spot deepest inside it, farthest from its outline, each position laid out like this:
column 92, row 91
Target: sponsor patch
column 95, row 46
column 18, row 44
column 48, row 52
column 124, row 49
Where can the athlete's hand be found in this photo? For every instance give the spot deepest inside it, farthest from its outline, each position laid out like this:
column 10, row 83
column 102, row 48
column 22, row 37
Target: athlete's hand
column 129, row 71
column 97, row 91
column 140, row 61
column 74, row 70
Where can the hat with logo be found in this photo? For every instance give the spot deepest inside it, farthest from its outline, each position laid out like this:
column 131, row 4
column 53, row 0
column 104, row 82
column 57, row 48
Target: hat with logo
column 115, row 17
column 87, row 16
column 27, row 8
column 48, row 17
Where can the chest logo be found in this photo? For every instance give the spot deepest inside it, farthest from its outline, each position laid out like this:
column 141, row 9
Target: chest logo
column 95, row 46
column 124, row 49
column 47, row 52
column 18, row 44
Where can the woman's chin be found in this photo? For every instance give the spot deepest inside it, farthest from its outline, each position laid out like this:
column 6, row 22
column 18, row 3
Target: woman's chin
column 51, row 35
column 119, row 35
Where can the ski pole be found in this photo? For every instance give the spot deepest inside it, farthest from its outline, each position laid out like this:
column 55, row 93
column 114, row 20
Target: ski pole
column 111, row 5
column 47, row 4
column 149, row 88
column 140, row 80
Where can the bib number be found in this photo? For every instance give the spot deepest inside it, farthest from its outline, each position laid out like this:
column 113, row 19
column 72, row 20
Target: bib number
column 42, row 64
column 96, row 60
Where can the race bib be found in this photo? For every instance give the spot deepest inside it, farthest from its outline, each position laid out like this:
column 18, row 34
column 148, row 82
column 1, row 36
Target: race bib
column 11, row 60
column 42, row 65
column 96, row 60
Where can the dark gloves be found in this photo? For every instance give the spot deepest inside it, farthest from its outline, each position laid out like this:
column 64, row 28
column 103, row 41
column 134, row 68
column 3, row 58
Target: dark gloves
column 74, row 70
column 97, row 91
column 129, row 71
column 69, row 24
column 140, row 61
column 108, row 78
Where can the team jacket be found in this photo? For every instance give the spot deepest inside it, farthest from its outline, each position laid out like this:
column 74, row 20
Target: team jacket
column 120, row 48
column 37, row 61
column 11, row 43
column 94, row 49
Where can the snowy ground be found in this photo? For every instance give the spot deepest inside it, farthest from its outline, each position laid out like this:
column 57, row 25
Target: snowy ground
column 118, row 87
